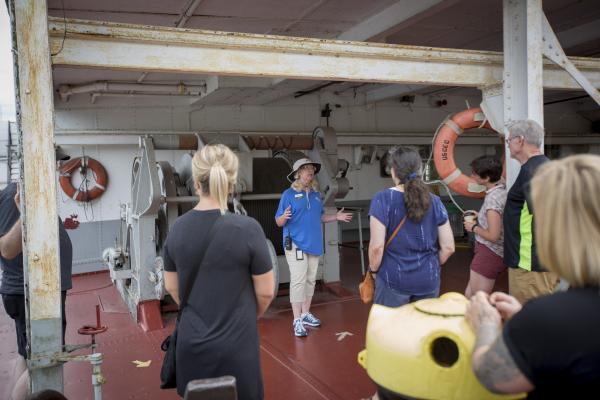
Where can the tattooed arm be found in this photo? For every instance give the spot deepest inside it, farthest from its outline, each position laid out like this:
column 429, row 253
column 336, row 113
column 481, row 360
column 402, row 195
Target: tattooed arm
column 492, row 362
column 495, row 368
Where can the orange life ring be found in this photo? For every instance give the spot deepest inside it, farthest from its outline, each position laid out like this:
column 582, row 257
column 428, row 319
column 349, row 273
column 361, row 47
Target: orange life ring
column 81, row 164
column 443, row 150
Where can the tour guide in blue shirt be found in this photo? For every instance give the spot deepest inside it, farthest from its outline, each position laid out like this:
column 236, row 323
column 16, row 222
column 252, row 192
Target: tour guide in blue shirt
column 300, row 213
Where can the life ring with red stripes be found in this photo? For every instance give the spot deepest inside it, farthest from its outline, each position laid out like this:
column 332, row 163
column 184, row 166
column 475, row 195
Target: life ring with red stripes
column 443, row 151
column 81, row 193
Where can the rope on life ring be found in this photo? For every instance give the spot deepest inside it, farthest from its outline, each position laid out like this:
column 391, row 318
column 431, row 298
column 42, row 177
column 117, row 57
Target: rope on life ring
column 83, row 193
column 443, row 151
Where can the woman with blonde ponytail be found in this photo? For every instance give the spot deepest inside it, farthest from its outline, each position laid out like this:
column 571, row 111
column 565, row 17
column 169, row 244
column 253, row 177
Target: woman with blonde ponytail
column 215, row 169
column 234, row 284
column 407, row 263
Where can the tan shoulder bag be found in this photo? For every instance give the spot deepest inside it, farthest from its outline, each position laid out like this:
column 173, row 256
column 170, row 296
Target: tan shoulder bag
column 367, row 287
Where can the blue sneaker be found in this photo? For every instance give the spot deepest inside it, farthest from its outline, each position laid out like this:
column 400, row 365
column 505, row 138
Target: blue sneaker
column 299, row 329
column 310, row 320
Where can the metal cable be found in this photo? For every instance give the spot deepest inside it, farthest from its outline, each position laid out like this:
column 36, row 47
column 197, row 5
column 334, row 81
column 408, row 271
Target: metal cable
column 64, row 32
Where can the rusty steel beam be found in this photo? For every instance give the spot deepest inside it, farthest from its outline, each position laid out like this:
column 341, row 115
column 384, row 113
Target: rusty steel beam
column 38, row 190
column 162, row 49
column 279, row 142
column 176, row 142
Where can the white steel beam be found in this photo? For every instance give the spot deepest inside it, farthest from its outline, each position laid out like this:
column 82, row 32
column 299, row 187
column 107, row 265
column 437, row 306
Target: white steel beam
column 552, row 49
column 40, row 219
column 134, row 47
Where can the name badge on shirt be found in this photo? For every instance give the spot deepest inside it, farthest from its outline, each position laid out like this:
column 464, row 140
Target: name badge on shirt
column 298, row 196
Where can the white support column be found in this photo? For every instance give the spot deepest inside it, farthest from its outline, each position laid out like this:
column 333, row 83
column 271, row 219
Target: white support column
column 523, row 68
column 492, row 105
column 38, row 192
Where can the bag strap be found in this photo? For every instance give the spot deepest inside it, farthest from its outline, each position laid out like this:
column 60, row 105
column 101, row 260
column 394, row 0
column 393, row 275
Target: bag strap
column 395, row 232
column 212, row 228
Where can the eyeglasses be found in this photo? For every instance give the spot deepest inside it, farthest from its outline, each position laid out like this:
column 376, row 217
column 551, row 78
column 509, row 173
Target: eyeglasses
column 507, row 140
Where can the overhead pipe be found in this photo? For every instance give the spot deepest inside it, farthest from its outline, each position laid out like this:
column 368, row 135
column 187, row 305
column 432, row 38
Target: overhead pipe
column 65, row 91
column 142, row 77
column 306, row 13
column 187, row 14
column 95, row 95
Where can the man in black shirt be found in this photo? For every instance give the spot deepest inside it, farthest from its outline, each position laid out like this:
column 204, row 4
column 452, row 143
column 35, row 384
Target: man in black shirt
column 526, row 278
column 12, row 286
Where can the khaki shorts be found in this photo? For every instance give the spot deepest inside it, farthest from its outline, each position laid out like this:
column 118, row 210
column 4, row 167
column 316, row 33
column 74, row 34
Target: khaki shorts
column 303, row 274
column 525, row 285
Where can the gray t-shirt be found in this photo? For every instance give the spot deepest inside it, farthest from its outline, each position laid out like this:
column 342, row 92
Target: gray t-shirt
column 495, row 199
column 11, row 281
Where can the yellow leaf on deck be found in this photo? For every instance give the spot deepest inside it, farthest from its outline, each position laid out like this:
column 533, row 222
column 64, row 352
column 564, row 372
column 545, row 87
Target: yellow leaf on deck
column 142, row 364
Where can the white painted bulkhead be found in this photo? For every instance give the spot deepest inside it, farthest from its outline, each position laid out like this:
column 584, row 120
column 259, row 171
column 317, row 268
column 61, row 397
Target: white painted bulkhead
column 384, row 123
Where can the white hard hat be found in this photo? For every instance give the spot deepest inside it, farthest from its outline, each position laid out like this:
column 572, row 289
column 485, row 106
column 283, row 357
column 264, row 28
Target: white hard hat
column 298, row 164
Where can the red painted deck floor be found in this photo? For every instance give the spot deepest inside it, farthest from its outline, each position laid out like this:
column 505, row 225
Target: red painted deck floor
column 316, row 367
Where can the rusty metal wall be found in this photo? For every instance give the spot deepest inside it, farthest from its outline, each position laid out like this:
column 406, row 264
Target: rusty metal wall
column 269, row 176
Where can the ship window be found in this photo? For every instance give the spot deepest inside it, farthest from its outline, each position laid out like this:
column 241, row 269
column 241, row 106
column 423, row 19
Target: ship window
column 444, row 352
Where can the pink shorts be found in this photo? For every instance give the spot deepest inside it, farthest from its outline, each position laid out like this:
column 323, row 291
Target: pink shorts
column 487, row 263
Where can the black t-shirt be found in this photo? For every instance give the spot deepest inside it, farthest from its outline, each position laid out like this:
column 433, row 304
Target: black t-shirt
column 519, row 234
column 555, row 342
column 12, row 270
column 217, row 334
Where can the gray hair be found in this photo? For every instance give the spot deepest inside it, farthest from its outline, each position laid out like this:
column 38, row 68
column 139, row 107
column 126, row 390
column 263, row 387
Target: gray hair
column 530, row 130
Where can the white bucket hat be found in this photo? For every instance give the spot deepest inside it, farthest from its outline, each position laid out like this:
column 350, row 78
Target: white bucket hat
column 299, row 164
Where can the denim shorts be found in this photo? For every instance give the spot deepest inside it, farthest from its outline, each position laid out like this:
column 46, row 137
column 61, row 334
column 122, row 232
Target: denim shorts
column 389, row 297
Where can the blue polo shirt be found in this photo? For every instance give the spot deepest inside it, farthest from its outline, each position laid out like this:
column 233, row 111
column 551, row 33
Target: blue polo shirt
column 305, row 226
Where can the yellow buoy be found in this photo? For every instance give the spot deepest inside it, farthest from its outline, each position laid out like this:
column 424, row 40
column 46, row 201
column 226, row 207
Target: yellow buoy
column 423, row 350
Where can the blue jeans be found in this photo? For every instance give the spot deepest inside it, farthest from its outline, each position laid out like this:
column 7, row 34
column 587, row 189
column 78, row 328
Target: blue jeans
column 386, row 296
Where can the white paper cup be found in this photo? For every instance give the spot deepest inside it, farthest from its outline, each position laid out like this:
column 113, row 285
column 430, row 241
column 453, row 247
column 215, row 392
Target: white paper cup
column 470, row 218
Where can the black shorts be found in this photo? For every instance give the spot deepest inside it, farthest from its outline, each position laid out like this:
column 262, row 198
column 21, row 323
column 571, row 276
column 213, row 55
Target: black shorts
column 14, row 304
